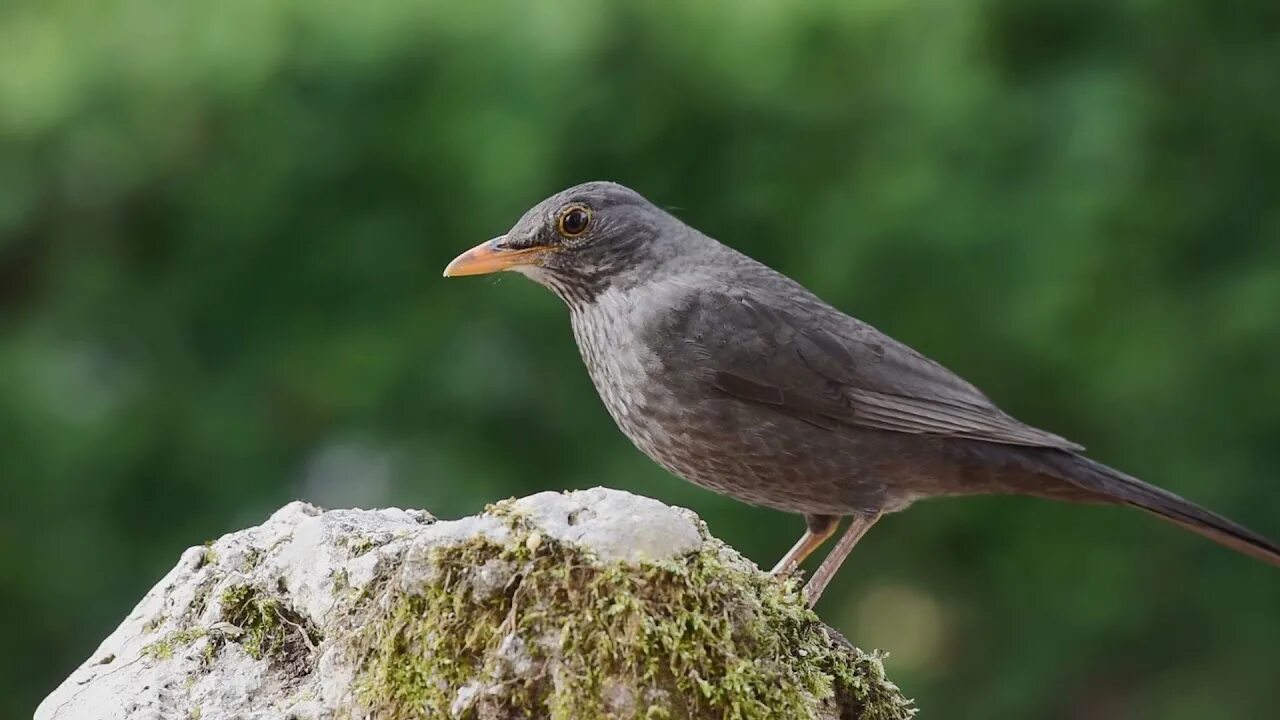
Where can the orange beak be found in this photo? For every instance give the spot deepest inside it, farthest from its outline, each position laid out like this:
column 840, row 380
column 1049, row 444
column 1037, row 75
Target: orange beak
column 491, row 257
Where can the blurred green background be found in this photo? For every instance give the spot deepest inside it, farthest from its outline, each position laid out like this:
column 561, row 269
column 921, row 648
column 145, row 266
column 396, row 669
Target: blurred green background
column 222, row 227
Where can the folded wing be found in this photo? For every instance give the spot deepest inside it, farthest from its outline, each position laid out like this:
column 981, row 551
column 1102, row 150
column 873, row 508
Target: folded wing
column 832, row 370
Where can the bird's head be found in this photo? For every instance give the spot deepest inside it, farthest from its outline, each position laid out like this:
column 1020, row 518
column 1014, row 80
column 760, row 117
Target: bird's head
column 579, row 242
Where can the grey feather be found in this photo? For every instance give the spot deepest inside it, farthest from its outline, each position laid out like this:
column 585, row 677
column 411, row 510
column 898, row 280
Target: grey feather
column 850, row 373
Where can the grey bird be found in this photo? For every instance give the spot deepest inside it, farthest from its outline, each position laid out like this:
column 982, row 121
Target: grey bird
column 738, row 379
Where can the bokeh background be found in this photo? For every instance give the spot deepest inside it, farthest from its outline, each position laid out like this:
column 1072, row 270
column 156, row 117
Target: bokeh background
column 222, row 226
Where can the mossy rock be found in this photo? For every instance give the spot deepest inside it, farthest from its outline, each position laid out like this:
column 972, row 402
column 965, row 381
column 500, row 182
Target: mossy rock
column 563, row 606
column 531, row 627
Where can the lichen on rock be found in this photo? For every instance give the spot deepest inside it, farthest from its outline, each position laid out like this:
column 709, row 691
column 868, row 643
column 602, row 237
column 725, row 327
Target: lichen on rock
column 593, row 604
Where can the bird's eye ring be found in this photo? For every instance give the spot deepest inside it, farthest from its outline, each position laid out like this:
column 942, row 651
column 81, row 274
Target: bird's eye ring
column 573, row 221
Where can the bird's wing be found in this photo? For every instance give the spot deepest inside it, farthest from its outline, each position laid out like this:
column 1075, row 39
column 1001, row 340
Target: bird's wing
column 829, row 369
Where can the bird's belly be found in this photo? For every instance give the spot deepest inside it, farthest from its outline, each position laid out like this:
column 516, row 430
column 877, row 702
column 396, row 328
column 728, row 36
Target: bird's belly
column 739, row 449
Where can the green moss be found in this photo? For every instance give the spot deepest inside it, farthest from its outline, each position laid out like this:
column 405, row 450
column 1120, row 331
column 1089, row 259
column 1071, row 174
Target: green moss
column 558, row 633
column 503, row 508
column 210, row 556
column 252, row 556
column 152, row 624
column 359, row 545
column 509, row 511
column 268, row 627
column 163, row 648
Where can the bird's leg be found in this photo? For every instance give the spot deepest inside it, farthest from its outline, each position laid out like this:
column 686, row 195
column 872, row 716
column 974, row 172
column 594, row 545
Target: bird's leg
column 827, row 570
column 820, row 527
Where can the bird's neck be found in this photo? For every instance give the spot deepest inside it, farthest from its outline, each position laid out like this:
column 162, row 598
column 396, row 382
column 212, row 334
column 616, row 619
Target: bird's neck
column 577, row 289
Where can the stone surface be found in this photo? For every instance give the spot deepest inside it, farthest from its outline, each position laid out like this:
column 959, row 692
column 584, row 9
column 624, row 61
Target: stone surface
column 301, row 617
column 617, row 526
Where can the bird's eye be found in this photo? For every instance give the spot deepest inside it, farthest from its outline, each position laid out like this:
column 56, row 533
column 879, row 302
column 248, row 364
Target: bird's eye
column 573, row 221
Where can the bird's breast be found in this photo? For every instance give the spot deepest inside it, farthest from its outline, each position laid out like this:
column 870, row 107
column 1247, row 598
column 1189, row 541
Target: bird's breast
column 720, row 443
column 625, row 372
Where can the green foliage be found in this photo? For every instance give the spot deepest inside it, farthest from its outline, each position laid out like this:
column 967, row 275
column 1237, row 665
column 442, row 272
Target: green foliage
column 222, row 226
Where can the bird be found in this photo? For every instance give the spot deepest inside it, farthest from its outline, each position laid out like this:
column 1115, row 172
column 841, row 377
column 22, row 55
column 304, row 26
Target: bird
column 738, row 379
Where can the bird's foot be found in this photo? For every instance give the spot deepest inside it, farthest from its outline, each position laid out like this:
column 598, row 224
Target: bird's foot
column 822, row 576
column 820, row 527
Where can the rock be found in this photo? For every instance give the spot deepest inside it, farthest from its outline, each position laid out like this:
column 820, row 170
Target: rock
column 593, row 604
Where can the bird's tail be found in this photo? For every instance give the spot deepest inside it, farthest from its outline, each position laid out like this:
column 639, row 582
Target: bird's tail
column 1115, row 486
